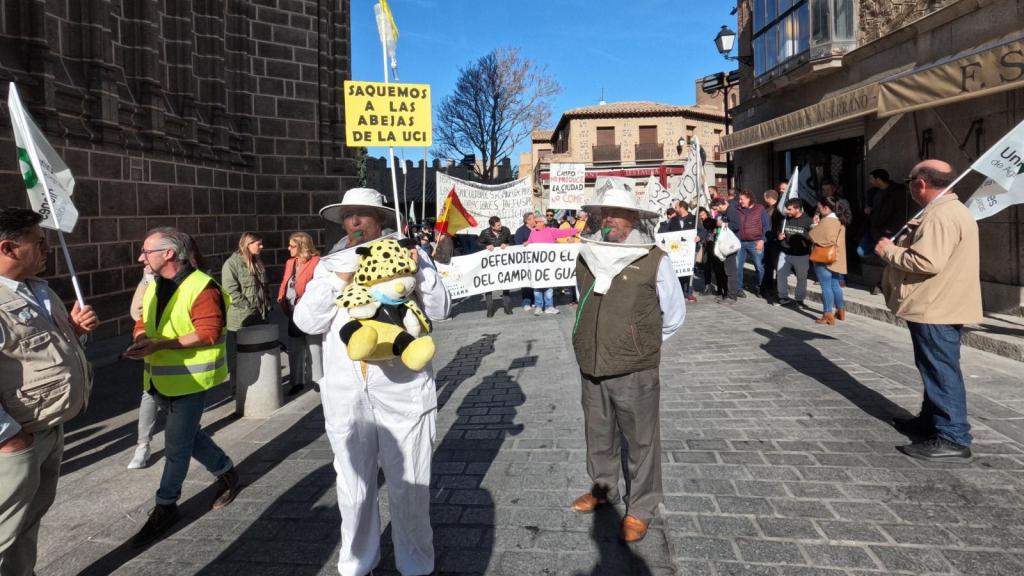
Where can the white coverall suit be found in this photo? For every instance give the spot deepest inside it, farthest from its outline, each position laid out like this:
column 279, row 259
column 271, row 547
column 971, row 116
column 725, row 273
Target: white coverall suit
column 385, row 419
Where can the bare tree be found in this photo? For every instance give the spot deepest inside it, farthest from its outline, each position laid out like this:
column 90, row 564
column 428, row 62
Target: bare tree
column 498, row 100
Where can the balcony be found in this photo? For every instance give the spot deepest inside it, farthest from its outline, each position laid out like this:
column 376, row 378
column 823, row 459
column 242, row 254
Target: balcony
column 646, row 152
column 607, row 153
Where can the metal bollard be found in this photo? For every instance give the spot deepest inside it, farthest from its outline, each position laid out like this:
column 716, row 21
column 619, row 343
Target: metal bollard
column 258, row 372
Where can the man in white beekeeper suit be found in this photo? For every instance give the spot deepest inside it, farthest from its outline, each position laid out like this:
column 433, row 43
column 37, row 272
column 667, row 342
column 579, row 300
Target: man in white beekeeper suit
column 378, row 414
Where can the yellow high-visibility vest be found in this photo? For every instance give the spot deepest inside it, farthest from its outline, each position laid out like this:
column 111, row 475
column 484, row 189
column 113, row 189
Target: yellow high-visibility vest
column 182, row 371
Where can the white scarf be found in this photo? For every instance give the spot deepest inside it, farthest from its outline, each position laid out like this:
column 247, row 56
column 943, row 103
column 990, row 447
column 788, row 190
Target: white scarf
column 607, row 259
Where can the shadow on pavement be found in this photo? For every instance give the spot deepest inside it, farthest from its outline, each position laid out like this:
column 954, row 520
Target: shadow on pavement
column 791, row 346
column 463, row 365
column 465, row 510
column 296, row 437
column 616, row 558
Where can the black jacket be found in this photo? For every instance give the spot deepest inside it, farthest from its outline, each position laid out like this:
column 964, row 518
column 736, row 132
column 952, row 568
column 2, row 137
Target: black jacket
column 489, row 238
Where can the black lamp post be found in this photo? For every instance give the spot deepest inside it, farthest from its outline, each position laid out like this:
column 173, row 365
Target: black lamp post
column 725, row 40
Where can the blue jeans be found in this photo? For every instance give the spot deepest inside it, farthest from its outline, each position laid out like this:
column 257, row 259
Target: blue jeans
column 545, row 297
column 749, row 247
column 184, row 439
column 937, row 355
column 527, row 296
column 831, row 291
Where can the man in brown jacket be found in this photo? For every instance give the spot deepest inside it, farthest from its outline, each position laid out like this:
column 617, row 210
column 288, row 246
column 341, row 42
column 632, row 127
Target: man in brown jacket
column 46, row 382
column 931, row 281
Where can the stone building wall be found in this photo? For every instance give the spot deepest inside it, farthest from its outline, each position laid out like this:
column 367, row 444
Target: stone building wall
column 216, row 117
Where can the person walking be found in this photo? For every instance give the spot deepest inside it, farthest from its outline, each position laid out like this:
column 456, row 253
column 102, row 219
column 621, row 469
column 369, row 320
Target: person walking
column 244, row 278
column 794, row 248
column 521, row 238
column 630, row 302
column 298, row 271
column 754, row 224
column 496, row 236
column 46, row 382
column 828, row 237
column 543, row 234
column 378, row 415
column 180, row 337
column 931, row 280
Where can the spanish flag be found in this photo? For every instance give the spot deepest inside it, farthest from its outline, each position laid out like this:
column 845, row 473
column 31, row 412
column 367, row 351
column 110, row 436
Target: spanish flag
column 453, row 217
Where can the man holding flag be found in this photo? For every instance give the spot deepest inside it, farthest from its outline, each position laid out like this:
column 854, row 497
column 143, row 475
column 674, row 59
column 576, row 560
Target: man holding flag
column 931, row 281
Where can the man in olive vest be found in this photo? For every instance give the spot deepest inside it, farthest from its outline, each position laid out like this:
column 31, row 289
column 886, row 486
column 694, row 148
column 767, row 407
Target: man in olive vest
column 46, row 382
column 630, row 302
column 181, row 337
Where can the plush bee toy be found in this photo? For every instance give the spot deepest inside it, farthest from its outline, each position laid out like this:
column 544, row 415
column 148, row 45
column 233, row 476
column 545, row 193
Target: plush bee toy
column 385, row 321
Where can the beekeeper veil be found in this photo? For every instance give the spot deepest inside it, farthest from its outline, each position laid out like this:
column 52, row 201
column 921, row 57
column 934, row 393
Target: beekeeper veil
column 619, row 231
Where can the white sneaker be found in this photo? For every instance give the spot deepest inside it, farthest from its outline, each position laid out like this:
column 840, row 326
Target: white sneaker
column 537, row 311
column 551, row 311
column 141, row 457
column 527, row 307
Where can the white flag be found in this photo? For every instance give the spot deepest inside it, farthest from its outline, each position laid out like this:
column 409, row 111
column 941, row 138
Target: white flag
column 387, row 30
column 792, row 190
column 991, row 198
column 42, row 169
column 1002, row 162
column 412, row 212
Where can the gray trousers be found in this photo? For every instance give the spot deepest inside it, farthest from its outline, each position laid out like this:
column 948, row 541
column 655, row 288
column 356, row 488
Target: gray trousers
column 300, row 349
column 797, row 265
column 28, row 485
column 628, row 404
column 147, row 418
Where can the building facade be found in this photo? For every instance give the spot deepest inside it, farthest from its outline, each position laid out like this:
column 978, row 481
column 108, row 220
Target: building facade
column 215, row 117
column 844, row 87
column 628, row 139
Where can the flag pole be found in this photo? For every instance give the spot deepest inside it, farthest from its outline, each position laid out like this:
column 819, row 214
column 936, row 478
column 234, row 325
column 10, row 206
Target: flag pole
column 423, row 200
column 391, row 150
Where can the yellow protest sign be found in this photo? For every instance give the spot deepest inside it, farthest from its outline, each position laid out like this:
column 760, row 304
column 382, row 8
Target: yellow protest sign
column 379, row 114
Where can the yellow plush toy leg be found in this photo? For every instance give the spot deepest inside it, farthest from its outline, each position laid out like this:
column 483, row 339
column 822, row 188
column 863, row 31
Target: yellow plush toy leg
column 362, row 343
column 418, row 354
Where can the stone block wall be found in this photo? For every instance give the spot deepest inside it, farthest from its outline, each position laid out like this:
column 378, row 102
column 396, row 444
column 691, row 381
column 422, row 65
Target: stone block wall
column 216, row 117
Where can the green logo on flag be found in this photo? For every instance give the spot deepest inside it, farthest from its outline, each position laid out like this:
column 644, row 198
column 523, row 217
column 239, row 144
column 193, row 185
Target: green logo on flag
column 27, row 172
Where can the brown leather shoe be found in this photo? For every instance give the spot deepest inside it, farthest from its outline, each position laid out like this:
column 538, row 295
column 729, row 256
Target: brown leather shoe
column 633, row 529
column 587, row 503
column 840, row 313
column 826, row 318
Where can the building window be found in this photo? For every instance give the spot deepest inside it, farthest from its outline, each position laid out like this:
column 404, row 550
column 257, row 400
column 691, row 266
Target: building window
column 788, row 32
column 606, row 136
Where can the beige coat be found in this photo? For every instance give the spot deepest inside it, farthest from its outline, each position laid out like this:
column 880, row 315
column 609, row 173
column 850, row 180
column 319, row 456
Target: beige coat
column 831, row 231
column 932, row 273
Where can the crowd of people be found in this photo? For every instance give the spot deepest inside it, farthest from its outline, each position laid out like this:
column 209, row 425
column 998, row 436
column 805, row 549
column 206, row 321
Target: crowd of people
column 380, row 415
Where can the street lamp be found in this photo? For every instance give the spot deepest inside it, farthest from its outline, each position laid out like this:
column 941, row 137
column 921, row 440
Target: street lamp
column 725, row 40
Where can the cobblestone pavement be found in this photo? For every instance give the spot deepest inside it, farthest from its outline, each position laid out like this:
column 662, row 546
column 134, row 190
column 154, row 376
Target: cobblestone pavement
column 778, row 460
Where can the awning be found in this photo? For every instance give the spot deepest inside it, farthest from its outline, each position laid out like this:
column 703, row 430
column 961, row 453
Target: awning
column 833, row 110
column 980, row 71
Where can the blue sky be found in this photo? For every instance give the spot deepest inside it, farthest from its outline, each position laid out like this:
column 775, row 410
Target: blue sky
column 635, row 50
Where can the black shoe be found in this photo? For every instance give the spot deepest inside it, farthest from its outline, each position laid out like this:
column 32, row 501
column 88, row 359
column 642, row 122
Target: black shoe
column 295, row 389
column 786, row 302
column 227, row 489
column 508, row 305
column 316, row 388
column 936, row 448
column 916, row 426
column 741, row 294
column 876, row 289
column 160, row 520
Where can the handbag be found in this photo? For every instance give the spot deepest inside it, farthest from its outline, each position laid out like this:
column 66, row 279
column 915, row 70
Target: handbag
column 826, row 254
column 726, row 244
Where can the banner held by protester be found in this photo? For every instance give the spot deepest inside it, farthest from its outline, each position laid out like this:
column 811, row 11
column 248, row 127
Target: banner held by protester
column 508, row 201
column 681, row 249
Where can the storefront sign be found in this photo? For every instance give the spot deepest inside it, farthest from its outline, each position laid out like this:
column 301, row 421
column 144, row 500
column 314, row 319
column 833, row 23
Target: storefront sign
column 379, row 114
column 535, row 265
column 979, row 72
column 845, row 106
column 508, row 201
column 566, row 186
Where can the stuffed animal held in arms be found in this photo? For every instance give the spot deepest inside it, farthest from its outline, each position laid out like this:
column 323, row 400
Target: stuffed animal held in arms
column 386, row 323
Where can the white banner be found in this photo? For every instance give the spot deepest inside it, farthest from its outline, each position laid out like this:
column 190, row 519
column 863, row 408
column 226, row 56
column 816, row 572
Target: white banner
column 508, row 201
column 566, row 185
column 659, row 198
column 44, row 172
column 535, row 265
column 681, row 249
